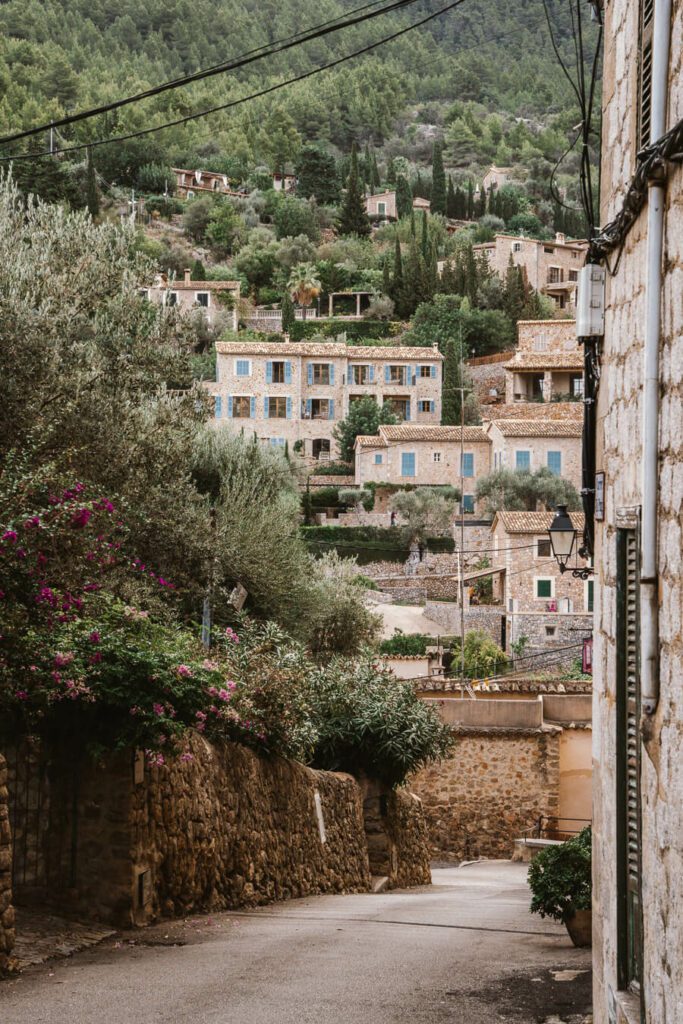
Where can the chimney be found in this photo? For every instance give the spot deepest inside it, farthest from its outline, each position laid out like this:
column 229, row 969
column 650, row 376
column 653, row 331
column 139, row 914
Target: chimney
column 435, row 346
column 188, row 276
column 559, row 238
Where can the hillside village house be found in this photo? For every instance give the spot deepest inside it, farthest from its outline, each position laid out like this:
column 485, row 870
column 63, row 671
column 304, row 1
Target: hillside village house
column 299, row 392
column 383, row 204
column 548, row 608
column 533, row 444
column 496, row 176
column 548, row 363
column 638, row 655
column 552, row 267
column 425, row 455
column 191, row 183
column 216, row 299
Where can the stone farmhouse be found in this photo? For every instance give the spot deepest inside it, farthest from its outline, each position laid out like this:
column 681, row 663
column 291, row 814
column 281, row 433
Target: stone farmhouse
column 191, row 183
column 551, row 609
column 547, row 365
column 216, row 299
column 299, row 392
column 551, row 267
column 383, row 204
column 531, row 444
column 638, row 654
column 496, row 176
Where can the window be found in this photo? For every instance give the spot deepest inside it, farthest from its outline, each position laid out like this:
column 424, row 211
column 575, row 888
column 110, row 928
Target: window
column 516, row 246
column 321, row 448
column 407, row 463
column 467, row 464
column 645, row 73
column 544, row 588
column 241, row 407
column 543, row 549
column 202, row 298
column 555, row 462
column 218, row 406
column 573, row 275
column 629, row 918
column 590, row 591
column 143, row 293
column 427, row 371
column 362, row 374
column 243, row 368
column 576, row 385
column 320, row 373
column 278, row 373
column 468, row 503
column 276, row 442
column 381, row 209
column 551, row 630
column 276, row 408
column 378, row 458
column 395, row 374
column 554, row 275
column 436, row 456
column 425, row 406
column 321, row 408
column 172, row 299
column 399, row 406
column 522, row 460
column 549, row 249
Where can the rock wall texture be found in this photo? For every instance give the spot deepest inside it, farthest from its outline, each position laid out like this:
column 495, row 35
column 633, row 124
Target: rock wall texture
column 396, row 835
column 496, row 784
column 6, row 910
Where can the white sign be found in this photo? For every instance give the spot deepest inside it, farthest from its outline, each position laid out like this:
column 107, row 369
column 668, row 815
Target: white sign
column 319, row 815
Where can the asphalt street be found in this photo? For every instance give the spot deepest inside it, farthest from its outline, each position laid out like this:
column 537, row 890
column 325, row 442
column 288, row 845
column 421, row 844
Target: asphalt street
column 463, row 951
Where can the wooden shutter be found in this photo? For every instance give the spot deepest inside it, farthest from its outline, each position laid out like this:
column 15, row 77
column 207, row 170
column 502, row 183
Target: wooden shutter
column 628, row 761
column 647, row 10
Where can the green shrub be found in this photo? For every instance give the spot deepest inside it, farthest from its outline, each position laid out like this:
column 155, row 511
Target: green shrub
column 334, row 469
column 166, row 206
column 405, row 643
column 363, row 332
column 325, row 497
column 365, row 582
column 560, row 878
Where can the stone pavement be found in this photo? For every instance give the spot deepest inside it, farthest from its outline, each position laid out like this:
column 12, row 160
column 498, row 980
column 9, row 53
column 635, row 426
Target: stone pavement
column 42, row 936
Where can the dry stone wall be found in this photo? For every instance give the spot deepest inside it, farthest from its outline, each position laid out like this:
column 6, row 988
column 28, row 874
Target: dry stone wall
column 6, row 910
column 496, row 784
column 396, row 835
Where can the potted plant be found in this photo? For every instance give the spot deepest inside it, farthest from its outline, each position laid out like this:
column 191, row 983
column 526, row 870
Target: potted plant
column 560, row 882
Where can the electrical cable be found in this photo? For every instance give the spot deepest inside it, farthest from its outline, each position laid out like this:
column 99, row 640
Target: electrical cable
column 267, row 50
column 240, row 101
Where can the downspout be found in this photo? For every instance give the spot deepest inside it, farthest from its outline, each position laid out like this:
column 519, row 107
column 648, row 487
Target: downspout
column 649, row 584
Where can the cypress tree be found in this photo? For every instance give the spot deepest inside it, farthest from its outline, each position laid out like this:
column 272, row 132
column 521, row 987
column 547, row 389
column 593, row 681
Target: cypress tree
column 450, row 396
column 404, row 196
column 376, row 181
column 386, row 277
column 412, row 222
column 288, row 317
column 198, row 273
column 424, row 244
column 391, row 172
column 451, row 200
column 514, row 296
column 354, row 219
column 397, row 284
column 470, row 201
column 438, row 199
column 460, row 204
column 92, row 195
column 480, row 209
column 366, row 166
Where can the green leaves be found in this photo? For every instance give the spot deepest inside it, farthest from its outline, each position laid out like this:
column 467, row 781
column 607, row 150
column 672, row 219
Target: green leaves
column 560, row 878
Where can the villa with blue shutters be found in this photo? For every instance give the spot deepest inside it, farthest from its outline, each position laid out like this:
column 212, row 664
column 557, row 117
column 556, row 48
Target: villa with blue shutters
column 297, row 393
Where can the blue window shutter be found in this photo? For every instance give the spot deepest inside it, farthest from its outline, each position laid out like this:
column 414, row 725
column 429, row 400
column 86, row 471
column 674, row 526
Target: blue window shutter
column 522, row 460
column 217, row 403
column 378, row 459
column 407, row 463
column 331, row 373
column 411, row 379
column 229, row 406
column 252, row 407
column 407, row 411
column 433, row 371
column 555, row 462
column 331, row 409
column 431, row 406
column 289, row 408
column 288, row 373
column 468, row 503
column 309, row 407
column 269, row 372
column 387, row 374
column 310, row 373
column 265, row 407
column 468, row 464
column 371, row 375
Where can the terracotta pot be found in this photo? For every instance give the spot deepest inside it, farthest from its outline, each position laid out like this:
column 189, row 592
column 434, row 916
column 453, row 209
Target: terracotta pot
column 580, row 927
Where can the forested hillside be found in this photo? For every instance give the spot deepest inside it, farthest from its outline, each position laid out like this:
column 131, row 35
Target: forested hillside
column 488, row 57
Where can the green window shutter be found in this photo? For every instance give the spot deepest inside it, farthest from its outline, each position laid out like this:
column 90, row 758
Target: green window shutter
column 544, row 588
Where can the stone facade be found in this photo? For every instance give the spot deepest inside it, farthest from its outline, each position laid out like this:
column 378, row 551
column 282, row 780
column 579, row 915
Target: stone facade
column 486, row 374
column 298, row 392
column 217, row 300
column 551, row 267
column 496, row 784
column 548, row 363
column 396, row 835
column 658, row 736
column 533, row 444
column 6, row 909
column 382, row 204
column 484, row 618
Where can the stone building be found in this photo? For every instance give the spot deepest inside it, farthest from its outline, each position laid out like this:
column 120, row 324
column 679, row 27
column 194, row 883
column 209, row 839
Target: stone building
column 299, row 392
column 217, row 300
column 547, row 365
column 553, row 610
column 383, row 204
column 533, row 444
column 191, row 183
column 551, row 267
column 496, row 176
column 425, row 455
column 638, row 653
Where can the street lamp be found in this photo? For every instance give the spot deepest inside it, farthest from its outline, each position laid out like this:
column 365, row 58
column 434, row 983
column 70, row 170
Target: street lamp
column 562, row 540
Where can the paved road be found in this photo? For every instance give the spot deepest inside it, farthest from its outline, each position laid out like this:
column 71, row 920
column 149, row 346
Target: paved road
column 464, row 951
column 408, row 618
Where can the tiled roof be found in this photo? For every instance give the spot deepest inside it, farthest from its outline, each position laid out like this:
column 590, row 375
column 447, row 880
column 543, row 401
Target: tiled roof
column 567, row 244
column 546, row 360
column 209, row 286
column 431, row 432
column 536, row 411
column 370, row 441
column 539, row 428
column 331, row 350
column 523, row 323
column 532, row 522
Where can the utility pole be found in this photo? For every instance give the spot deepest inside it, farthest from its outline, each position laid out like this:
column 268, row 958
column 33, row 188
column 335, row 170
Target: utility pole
column 132, row 206
column 52, row 139
column 462, row 516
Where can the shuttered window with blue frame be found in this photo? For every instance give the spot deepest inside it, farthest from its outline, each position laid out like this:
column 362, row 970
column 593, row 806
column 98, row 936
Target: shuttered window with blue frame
column 242, row 368
column 467, row 464
column 468, row 503
column 218, row 406
column 378, row 458
column 407, row 463
column 289, row 408
column 330, row 409
column 555, row 462
column 407, row 412
column 522, row 460
column 229, row 407
column 252, row 407
column 288, row 373
column 269, row 372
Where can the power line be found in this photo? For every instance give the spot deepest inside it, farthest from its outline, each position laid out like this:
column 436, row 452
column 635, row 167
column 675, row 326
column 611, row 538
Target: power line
column 235, row 103
column 267, row 50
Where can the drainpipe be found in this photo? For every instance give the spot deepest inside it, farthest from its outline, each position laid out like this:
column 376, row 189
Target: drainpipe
column 649, row 584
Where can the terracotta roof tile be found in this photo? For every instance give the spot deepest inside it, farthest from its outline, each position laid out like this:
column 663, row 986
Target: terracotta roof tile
column 532, row 522
column 331, row 349
column 539, row 428
column 370, row 441
column 432, row 432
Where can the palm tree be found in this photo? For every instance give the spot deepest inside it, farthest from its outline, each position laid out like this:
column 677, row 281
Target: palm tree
column 304, row 285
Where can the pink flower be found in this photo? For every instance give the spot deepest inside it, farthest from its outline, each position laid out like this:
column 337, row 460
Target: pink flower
column 31, row 522
column 64, row 659
column 47, row 596
column 21, row 695
column 10, row 535
column 224, row 695
column 135, row 710
column 21, row 553
column 81, row 518
column 155, row 759
column 231, row 635
column 162, row 582
column 94, row 637
column 200, row 716
column 185, row 671
column 209, row 665
column 186, row 756
column 95, row 658
column 158, row 709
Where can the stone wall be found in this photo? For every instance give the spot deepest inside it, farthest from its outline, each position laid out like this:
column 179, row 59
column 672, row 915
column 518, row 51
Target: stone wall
column 487, row 373
column 397, row 836
column 549, row 632
column 6, row 910
column 496, row 784
column 487, row 618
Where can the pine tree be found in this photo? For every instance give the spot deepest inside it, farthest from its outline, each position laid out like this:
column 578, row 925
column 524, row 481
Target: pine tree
column 92, row 194
column 438, row 198
column 354, row 219
column 288, row 317
column 404, row 196
column 470, row 201
column 317, row 175
column 451, row 200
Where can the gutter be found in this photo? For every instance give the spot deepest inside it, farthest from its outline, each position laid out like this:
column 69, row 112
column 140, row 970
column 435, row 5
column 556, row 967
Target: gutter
column 649, row 582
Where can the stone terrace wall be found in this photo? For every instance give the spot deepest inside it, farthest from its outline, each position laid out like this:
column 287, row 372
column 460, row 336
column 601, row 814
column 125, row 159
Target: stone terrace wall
column 493, row 787
column 6, row 911
column 482, row 617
